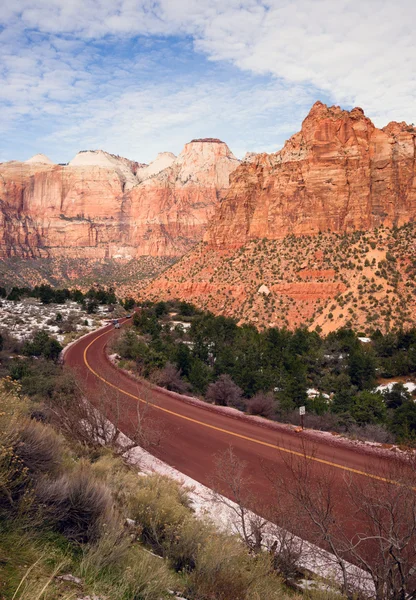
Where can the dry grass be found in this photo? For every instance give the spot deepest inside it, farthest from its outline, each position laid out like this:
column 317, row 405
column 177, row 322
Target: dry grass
column 76, row 504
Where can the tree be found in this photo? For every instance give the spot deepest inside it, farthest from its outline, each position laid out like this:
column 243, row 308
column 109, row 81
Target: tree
column 199, row 375
column 161, row 308
column 308, row 497
column 43, row 345
column 231, row 487
column 367, row 407
column 129, row 303
column 362, row 368
column 46, row 294
column 396, row 396
column 379, row 534
column 384, row 542
column 403, row 422
column 183, row 359
column 225, row 392
column 95, row 421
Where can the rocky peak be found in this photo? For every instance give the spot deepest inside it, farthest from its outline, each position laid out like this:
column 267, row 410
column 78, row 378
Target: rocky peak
column 39, row 159
column 206, row 160
column 162, row 161
column 338, row 173
column 124, row 167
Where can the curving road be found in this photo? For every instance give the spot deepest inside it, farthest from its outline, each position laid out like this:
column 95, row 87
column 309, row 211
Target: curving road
column 192, row 434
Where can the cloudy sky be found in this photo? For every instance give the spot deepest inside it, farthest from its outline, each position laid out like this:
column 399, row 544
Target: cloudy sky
column 135, row 77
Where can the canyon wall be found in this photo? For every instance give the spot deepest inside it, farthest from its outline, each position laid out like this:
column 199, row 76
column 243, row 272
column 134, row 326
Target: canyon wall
column 104, row 206
column 339, row 173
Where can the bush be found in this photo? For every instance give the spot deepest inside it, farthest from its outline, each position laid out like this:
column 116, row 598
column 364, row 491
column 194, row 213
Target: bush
column 43, row 345
column 226, row 571
column 14, row 481
column 261, row 404
column 76, row 504
column 159, row 507
column 170, row 378
column 371, row 432
column 225, row 392
column 39, row 448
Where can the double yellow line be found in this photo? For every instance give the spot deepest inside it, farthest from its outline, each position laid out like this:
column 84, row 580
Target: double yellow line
column 227, row 431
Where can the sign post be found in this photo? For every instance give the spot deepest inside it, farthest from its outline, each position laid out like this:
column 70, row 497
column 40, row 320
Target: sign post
column 302, row 411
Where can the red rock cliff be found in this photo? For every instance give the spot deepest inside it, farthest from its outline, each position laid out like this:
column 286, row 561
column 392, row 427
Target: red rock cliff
column 339, row 173
column 104, row 206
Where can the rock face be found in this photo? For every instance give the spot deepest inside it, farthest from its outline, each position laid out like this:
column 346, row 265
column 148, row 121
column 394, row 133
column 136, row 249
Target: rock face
column 339, row 173
column 40, row 158
column 126, row 169
column 105, row 206
column 273, row 254
column 162, row 161
column 170, row 211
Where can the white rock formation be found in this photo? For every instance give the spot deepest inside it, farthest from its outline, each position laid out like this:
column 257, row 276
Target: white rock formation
column 40, row 159
column 162, row 161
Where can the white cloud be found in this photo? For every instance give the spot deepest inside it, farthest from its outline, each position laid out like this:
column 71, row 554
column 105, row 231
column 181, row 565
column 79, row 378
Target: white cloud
column 131, row 125
column 354, row 52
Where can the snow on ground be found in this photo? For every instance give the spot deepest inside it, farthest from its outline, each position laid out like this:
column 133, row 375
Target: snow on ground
column 387, row 387
column 22, row 318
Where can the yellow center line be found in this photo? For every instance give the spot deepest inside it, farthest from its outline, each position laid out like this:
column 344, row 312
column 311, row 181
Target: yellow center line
column 227, row 431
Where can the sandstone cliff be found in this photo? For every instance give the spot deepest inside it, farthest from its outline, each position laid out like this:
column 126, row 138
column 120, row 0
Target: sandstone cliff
column 170, row 211
column 304, row 236
column 339, row 173
column 104, row 206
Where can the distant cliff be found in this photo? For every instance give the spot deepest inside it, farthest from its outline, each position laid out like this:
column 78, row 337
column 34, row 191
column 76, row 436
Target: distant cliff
column 105, row 206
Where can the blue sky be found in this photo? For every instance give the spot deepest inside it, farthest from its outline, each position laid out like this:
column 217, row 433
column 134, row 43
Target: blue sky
column 136, row 77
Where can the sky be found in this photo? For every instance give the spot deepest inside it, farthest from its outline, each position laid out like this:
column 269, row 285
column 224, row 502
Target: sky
column 138, row 77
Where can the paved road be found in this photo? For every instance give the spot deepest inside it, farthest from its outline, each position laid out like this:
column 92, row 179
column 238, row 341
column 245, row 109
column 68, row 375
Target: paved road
column 192, row 435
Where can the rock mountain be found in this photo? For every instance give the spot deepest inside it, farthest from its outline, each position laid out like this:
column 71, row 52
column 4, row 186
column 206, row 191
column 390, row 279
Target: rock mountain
column 105, row 206
column 314, row 233
column 309, row 224
column 339, row 173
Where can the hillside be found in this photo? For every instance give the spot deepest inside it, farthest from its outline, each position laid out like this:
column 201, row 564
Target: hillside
column 363, row 279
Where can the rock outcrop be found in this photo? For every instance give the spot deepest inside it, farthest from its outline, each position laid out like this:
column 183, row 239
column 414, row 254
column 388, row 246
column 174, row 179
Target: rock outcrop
column 339, row 173
column 278, row 231
column 105, row 206
column 39, row 159
column 170, row 211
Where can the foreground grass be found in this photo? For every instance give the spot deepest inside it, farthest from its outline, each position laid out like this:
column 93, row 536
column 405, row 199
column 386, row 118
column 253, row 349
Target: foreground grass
column 67, row 510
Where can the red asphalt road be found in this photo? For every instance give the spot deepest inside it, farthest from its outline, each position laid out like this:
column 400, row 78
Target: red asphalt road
column 190, row 444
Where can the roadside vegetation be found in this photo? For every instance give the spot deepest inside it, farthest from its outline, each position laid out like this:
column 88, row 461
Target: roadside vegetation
column 273, row 372
column 76, row 521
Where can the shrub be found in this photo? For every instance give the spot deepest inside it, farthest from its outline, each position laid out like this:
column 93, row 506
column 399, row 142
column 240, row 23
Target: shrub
column 226, row 571
column 225, row 392
column 159, row 506
column 39, row 448
column 170, row 378
column 43, row 345
column 14, row 480
column 371, row 432
column 75, row 504
column 262, row 404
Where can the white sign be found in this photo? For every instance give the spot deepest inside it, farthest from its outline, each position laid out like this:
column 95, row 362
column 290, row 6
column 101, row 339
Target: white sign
column 302, row 410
